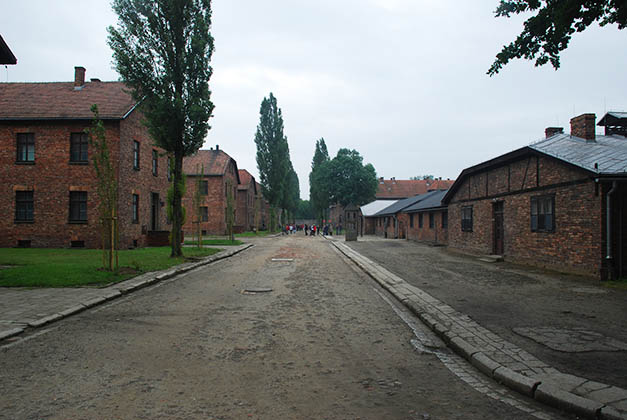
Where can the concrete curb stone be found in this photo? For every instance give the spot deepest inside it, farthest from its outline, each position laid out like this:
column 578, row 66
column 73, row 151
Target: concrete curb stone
column 117, row 291
column 556, row 397
column 545, row 393
column 10, row 333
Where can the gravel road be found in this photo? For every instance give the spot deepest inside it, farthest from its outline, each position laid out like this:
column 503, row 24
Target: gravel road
column 323, row 344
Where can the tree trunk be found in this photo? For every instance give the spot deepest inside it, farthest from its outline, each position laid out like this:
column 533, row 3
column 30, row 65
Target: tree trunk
column 177, row 214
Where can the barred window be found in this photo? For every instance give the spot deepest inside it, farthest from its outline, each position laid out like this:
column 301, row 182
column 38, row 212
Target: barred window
column 420, row 217
column 25, row 147
column 445, row 219
column 542, row 213
column 467, row 219
column 204, row 187
column 135, row 154
column 431, row 220
column 411, row 220
column 155, row 162
column 24, row 206
column 135, row 208
column 204, row 214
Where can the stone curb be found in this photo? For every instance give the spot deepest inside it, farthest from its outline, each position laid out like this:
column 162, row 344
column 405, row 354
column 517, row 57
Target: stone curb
column 544, row 393
column 121, row 290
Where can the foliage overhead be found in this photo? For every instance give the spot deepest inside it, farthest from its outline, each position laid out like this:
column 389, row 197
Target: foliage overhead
column 162, row 50
column 550, row 29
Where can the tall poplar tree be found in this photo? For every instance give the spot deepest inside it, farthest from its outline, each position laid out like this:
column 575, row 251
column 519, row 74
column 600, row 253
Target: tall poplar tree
column 162, row 50
column 273, row 155
column 318, row 193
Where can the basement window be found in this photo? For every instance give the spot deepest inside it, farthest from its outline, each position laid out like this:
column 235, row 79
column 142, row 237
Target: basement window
column 23, row 243
column 77, row 244
column 542, row 213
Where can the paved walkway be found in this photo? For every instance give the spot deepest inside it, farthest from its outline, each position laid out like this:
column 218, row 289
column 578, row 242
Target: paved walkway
column 24, row 308
column 496, row 357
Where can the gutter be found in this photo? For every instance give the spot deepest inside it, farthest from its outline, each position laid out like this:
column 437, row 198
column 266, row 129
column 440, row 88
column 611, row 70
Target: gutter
column 608, row 227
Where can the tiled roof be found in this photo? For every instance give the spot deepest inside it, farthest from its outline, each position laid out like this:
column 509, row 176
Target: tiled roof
column 431, row 200
column 607, row 155
column 59, row 100
column 210, row 162
column 398, row 189
column 245, row 180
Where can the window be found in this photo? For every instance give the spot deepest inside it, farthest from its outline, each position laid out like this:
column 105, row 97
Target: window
column 78, row 206
column 25, row 147
column 420, row 220
column 431, row 220
column 445, row 219
column 78, row 147
column 204, row 214
column 24, row 206
column 204, row 187
column 135, row 155
column 135, row 208
column 542, row 214
column 467, row 219
column 155, row 162
column 169, row 168
column 411, row 220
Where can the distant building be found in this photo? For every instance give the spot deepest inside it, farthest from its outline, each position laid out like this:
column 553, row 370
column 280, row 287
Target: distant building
column 559, row 203
column 48, row 184
column 6, row 56
column 217, row 172
column 246, row 196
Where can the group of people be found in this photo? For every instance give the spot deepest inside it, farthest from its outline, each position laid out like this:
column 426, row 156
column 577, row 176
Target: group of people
column 311, row 230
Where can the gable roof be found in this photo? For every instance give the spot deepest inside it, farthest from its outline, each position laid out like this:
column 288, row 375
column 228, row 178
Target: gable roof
column 6, row 55
column 605, row 156
column 60, row 101
column 404, row 188
column 376, row 206
column 210, row 162
column 403, row 204
column 245, row 180
column 432, row 200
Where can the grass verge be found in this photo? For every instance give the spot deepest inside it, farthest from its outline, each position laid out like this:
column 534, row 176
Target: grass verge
column 39, row 267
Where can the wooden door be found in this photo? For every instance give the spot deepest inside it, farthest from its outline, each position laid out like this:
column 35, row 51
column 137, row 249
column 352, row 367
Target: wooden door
column 499, row 234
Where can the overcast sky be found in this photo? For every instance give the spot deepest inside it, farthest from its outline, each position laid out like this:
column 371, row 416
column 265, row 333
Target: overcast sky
column 402, row 81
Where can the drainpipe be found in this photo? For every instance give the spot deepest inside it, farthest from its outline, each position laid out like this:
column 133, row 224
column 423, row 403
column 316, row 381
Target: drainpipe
column 608, row 227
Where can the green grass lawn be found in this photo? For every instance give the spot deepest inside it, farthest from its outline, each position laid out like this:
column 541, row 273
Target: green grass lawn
column 213, row 242
column 253, row 234
column 38, row 267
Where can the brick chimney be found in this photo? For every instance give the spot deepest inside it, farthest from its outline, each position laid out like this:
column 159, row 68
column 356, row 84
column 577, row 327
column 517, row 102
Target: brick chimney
column 79, row 77
column 583, row 126
column 551, row 131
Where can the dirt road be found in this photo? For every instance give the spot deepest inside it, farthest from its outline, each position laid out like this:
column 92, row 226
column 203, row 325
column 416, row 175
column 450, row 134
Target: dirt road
column 323, row 344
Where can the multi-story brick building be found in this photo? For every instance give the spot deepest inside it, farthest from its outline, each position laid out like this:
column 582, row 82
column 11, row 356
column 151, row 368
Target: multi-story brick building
column 558, row 203
column 218, row 173
column 48, row 185
column 264, row 209
column 246, row 206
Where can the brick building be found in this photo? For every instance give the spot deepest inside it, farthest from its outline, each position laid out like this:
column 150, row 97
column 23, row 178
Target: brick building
column 397, row 189
column 48, row 185
column 558, row 203
column 427, row 220
column 246, row 204
column 219, row 172
column 389, row 223
column 264, row 209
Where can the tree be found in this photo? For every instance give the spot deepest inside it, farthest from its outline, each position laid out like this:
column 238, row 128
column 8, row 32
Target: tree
column 291, row 192
column 548, row 32
column 421, row 177
column 162, row 50
column 107, row 191
column 348, row 180
column 304, row 210
column 273, row 155
column 318, row 195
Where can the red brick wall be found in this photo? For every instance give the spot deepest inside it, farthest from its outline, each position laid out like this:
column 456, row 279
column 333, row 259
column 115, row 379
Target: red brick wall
column 141, row 182
column 215, row 201
column 53, row 176
column 576, row 243
column 437, row 234
column 246, row 209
